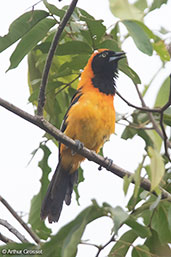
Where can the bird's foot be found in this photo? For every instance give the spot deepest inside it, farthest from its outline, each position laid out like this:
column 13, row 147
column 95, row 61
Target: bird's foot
column 110, row 162
column 79, row 146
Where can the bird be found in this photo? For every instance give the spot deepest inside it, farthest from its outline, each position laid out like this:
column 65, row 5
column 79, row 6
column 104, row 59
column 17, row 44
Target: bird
column 89, row 120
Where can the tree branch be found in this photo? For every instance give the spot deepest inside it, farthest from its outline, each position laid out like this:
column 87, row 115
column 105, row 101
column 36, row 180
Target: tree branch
column 161, row 110
column 13, row 231
column 41, row 99
column 5, row 239
column 145, row 108
column 90, row 155
column 13, row 212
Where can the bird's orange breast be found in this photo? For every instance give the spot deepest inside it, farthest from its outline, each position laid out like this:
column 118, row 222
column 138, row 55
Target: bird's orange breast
column 91, row 120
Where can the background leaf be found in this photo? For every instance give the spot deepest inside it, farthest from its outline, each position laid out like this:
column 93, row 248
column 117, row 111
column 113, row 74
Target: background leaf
column 139, row 36
column 123, row 244
column 34, row 215
column 163, row 94
column 160, row 222
column 73, row 47
column 156, row 167
column 21, row 26
column 30, row 40
column 124, row 10
column 157, row 4
column 140, row 251
column 118, row 215
column 69, row 236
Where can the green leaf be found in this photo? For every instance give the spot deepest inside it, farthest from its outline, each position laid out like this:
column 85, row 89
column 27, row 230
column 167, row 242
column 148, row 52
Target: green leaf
column 141, row 4
column 53, row 9
column 96, row 30
column 115, row 31
column 122, row 245
column 139, row 35
column 74, row 236
column 157, row 140
column 169, row 217
column 126, row 182
column 30, row 40
column 82, row 14
column 109, row 44
column 161, row 50
column 65, row 242
column 133, row 201
column 156, row 247
column 21, row 26
column 80, row 179
column 156, row 4
column 163, row 93
column 129, row 72
column 118, row 215
column 124, row 10
column 73, row 47
column 167, row 116
column 34, row 215
column 141, row 230
column 157, row 168
column 77, row 62
column 129, row 132
column 160, row 222
column 140, row 251
column 137, row 176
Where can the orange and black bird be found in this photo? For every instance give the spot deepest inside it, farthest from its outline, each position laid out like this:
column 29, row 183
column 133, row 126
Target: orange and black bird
column 90, row 119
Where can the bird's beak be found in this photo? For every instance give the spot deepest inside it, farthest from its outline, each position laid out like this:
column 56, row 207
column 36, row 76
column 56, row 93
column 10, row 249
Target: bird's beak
column 117, row 56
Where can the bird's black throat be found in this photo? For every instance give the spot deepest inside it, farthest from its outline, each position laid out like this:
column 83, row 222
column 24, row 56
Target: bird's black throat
column 105, row 84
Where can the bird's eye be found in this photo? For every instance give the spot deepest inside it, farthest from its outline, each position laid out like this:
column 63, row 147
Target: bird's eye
column 104, row 55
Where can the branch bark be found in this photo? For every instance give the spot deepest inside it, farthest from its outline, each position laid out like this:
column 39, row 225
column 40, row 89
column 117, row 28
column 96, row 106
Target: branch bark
column 41, row 99
column 13, row 231
column 5, row 239
column 13, row 212
column 90, row 155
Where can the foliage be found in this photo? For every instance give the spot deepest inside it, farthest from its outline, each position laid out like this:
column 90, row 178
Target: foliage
column 33, row 31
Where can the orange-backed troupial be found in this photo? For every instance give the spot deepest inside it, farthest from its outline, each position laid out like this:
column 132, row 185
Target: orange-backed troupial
column 90, row 119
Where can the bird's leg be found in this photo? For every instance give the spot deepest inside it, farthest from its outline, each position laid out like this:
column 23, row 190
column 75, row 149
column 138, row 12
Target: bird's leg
column 79, row 146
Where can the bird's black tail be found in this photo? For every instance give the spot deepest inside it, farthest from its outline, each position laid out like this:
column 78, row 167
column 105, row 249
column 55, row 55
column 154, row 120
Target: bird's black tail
column 60, row 189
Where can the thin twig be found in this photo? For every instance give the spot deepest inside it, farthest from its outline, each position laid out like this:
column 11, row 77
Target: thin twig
column 13, row 212
column 155, row 125
column 67, row 85
column 90, row 155
column 13, row 231
column 145, row 108
column 5, row 239
column 89, row 244
column 105, row 245
column 164, row 135
column 41, row 99
column 149, row 114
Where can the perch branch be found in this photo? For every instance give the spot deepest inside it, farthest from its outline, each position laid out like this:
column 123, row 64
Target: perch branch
column 90, row 155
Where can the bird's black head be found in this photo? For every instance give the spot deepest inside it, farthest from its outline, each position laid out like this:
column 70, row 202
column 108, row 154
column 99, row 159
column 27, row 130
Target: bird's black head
column 104, row 66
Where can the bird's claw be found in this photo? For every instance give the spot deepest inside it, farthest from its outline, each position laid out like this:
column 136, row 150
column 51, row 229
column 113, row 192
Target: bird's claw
column 110, row 162
column 79, row 146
